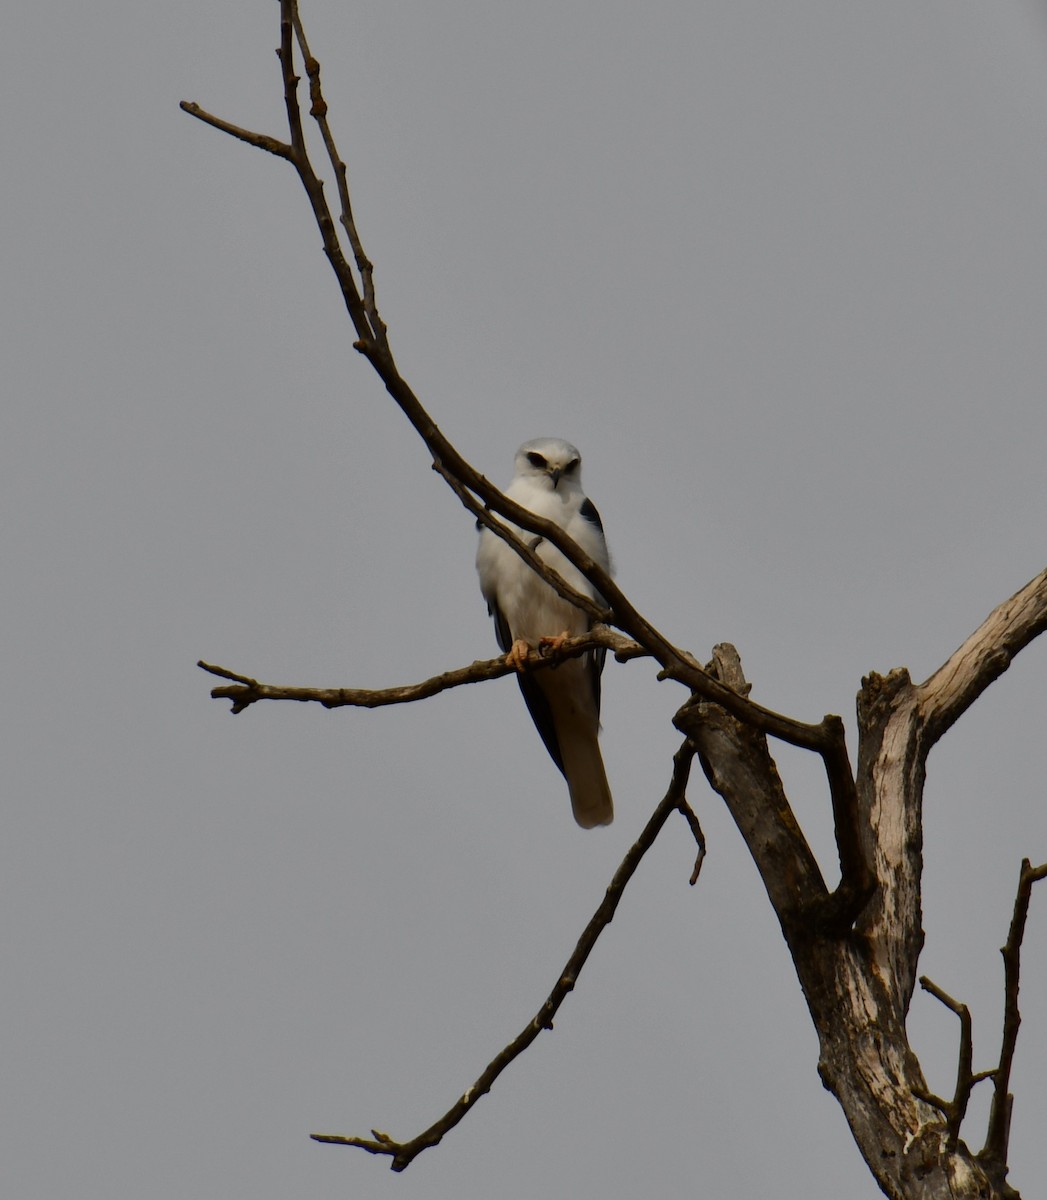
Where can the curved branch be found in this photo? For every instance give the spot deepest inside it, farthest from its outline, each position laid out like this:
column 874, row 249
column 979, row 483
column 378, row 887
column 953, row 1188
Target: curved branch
column 404, row 1153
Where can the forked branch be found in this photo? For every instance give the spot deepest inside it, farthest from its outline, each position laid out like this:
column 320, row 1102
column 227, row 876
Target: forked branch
column 955, row 1110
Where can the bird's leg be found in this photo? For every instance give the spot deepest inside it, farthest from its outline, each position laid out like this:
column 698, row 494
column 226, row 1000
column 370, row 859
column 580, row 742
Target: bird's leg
column 518, row 654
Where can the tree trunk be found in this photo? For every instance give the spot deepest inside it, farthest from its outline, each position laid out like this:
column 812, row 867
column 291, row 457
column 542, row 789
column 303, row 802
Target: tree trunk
column 858, row 982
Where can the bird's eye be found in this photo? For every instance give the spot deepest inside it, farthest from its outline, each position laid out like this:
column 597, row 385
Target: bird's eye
column 536, row 460
column 571, row 467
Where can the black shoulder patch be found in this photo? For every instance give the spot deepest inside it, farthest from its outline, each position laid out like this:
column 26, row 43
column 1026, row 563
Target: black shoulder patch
column 588, row 510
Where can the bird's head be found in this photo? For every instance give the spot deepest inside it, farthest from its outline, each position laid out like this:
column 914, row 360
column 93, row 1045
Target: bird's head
column 552, row 463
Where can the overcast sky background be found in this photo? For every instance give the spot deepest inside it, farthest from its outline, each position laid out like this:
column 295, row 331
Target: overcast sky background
column 780, row 271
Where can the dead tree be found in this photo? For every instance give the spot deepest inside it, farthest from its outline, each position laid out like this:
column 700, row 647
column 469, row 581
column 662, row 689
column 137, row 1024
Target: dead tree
column 855, row 948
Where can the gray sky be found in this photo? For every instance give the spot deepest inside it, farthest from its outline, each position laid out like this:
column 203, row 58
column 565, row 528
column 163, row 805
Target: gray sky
column 780, row 271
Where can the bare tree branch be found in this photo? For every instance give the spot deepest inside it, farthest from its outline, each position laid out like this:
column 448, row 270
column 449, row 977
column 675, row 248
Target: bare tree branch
column 983, row 658
column 262, row 140
column 691, row 817
column 998, row 1137
column 403, row 1153
column 351, row 294
column 246, row 690
column 955, row 1110
column 318, row 111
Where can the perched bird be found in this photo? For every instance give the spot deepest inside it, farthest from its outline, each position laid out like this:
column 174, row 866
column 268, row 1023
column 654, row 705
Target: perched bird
column 564, row 700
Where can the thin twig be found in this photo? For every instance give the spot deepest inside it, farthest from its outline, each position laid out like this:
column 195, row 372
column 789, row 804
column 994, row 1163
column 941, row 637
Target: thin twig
column 998, row 1135
column 262, row 140
column 403, row 1153
column 318, row 111
column 244, row 690
column 314, row 187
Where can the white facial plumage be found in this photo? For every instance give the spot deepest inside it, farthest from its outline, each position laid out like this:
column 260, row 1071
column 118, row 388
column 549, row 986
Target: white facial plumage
column 564, row 701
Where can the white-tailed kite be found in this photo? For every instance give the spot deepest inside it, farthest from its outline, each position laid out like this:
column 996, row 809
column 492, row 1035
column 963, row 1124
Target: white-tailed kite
column 564, row 700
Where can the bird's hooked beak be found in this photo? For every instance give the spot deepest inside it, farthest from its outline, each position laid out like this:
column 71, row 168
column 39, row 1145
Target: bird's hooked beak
column 554, row 475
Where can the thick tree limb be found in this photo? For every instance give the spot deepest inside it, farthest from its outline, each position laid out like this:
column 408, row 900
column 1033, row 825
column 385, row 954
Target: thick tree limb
column 404, row 1153
column 738, row 765
column 982, row 659
column 899, row 722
